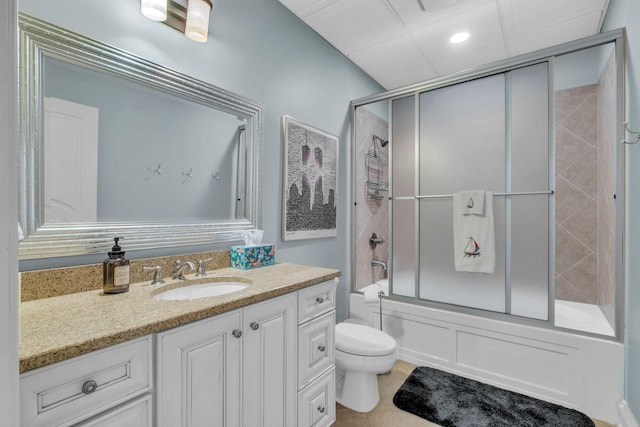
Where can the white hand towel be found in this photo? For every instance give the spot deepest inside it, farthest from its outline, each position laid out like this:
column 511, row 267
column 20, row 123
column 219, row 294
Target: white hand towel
column 473, row 202
column 474, row 237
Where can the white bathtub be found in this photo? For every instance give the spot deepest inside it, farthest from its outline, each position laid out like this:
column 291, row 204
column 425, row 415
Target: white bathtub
column 582, row 317
column 575, row 371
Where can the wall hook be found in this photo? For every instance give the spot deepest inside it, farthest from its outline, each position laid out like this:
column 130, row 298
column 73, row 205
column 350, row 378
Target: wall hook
column 187, row 175
column 154, row 172
column 636, row 134
column 216, row 175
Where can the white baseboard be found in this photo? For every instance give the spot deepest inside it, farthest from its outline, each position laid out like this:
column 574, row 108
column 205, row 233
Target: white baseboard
column 625, row 416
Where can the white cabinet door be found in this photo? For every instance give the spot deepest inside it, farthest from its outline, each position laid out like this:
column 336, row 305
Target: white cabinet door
column 270, row 363
column 137, row 413
column 199, row 373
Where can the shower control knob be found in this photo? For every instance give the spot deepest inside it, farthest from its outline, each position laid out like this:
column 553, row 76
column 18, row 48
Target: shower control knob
column 321, row 409
column 319, row 300
column 254, row 325
column 89, row 387
column 321, row 348
column 237, row 333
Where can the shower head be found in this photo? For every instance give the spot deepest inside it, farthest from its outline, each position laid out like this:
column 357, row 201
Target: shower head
column 380, row 141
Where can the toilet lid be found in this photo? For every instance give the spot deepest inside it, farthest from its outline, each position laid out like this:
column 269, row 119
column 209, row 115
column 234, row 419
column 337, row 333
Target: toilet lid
column 363, row 340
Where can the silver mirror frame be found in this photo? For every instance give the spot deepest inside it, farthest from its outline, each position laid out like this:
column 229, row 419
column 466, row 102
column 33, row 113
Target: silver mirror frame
column 40, row 39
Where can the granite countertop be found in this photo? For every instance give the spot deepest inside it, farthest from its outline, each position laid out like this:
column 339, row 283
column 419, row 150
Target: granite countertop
column 61, row 327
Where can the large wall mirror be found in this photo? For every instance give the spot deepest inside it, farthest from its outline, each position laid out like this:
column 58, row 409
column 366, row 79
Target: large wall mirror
column 114, row 145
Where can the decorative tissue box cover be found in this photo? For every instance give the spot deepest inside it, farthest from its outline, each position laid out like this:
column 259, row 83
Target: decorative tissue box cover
column 246, row 257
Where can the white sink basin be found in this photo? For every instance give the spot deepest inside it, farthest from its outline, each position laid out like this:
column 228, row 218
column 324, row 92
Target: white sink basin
column 202, row 290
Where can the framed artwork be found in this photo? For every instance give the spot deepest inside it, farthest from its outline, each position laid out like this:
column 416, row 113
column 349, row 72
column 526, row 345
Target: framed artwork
column 310, row 181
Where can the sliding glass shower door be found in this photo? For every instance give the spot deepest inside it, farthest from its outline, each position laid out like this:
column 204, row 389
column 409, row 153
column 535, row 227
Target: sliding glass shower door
column 488, row 134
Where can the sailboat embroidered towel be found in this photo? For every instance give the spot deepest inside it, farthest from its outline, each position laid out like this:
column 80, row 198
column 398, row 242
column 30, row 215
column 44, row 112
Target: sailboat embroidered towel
column 473, row 202
column 474, row 239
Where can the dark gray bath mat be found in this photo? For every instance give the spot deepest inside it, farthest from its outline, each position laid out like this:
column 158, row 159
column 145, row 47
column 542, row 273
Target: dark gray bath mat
column 453, row 401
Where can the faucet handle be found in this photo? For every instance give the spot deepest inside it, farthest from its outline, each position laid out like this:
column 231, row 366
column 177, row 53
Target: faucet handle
column 201, row 271
column 157, row 276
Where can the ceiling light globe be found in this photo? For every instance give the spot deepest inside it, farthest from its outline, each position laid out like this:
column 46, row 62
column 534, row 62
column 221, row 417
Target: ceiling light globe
column 197, row 27
column 459, row 37
column 156, row 10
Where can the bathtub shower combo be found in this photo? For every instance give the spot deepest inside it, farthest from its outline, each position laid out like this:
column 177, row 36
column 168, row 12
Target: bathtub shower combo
column 540, row 133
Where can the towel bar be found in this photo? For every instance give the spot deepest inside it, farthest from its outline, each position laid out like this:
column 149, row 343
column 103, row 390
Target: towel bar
column 444, row 196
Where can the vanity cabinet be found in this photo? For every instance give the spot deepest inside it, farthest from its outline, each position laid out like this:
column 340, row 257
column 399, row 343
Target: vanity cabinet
column 98, row 389
column 267, row 364
column 316, row 356
column 235, row 369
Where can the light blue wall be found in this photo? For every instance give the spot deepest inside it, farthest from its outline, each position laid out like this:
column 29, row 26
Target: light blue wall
column 625, row 13
column 139, row 128
column 257, row 49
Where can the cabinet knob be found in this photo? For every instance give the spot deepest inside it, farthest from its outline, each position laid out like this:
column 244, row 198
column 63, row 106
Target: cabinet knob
column 237, row 333
column 321, row 348
column 319, row 300
column 321, row 409
column 254, row 325
column 89, row 387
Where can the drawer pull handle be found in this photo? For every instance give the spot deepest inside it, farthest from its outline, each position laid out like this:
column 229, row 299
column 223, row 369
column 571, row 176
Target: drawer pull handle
column 321, row 348
column 237, row 333
column 321, row 409
column 254, row 325
column 319, row 300
column 89, row 387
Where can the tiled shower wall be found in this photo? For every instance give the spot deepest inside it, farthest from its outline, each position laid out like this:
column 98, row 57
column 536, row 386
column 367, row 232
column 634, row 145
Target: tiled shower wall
column 371, row 216
column 606, row 190
column 585, row 183
column 577, row 194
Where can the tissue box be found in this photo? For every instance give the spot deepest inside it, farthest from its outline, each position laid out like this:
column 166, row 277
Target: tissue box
column 246, row 257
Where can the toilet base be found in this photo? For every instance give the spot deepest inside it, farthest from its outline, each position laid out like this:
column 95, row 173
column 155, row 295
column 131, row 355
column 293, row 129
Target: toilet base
column 358, row 391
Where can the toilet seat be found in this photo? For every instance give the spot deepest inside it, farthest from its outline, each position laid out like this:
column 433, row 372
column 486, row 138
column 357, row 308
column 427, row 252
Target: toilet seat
column 363, row 340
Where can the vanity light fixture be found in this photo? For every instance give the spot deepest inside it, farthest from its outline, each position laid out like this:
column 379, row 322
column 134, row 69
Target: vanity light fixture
column 156, row 10
column 192, row 20
column 197, row 26
column 459, row 37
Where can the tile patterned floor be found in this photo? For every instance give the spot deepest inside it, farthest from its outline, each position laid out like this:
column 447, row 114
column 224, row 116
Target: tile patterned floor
column 386, row 414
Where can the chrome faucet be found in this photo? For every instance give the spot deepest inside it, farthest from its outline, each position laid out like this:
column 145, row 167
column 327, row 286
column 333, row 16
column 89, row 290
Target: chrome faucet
column 378, row 263
column 201, row 270
column 179, row 267
column 157, row 275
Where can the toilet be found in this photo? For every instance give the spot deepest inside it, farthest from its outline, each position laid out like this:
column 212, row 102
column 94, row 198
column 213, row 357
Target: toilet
column 361, row 353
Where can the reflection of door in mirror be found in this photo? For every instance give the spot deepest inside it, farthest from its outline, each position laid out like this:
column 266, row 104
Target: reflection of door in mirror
column 70, row 143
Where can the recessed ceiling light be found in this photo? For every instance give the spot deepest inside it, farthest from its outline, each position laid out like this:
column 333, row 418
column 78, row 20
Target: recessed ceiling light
column 459, row 37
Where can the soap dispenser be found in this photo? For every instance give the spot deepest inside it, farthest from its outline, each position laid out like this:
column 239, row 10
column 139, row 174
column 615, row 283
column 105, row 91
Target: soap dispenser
column 115, row 271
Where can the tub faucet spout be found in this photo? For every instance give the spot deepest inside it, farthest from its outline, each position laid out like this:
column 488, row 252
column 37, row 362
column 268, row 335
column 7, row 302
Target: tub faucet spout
column 378, row 263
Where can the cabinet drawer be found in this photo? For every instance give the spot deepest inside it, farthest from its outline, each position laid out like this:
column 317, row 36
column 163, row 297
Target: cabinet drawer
column 69, row 391
column 136, row 413
column 316, row 349
column 317, row 402
column 316, row 300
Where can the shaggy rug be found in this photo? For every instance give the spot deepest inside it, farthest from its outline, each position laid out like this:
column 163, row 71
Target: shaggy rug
column 453, row 401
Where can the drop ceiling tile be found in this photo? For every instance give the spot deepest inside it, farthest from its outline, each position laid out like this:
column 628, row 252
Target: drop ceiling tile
column 303, row 8
column 472, row 59
column 482, row 23
column 552, row 36
column 397, row 43
column 391, row 57
column 356, row 24
column 408, row 77
column 526, row 16
column 414, row 17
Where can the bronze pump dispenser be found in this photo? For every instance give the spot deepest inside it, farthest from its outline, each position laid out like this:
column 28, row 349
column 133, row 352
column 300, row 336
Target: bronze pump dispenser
column 115, row 271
